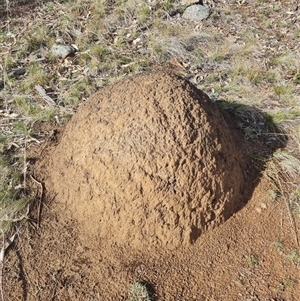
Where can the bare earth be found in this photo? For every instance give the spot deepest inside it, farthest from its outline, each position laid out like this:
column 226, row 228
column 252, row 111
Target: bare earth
column 74, row 255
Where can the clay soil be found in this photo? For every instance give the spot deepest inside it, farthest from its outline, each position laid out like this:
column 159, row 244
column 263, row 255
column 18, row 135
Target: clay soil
column 246, row 257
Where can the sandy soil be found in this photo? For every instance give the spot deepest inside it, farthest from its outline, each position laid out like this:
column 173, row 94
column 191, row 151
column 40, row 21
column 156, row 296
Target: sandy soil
column 244, row 258
column 149, row 161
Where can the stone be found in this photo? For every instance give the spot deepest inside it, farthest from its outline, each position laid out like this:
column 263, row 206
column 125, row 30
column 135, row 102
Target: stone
column 63, row 51
column 196, row 12
column 17, row 72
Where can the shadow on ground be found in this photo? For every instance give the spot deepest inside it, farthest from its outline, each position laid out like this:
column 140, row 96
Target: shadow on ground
column 257, row 136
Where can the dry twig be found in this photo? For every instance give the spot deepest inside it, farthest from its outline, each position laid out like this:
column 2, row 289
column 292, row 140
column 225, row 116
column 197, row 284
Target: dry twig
column 39, row 201
column 289, row 214
column 43, row 94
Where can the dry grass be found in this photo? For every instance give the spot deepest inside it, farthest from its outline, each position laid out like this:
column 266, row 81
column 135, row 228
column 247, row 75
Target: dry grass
column 244, row 54
column 138, row 292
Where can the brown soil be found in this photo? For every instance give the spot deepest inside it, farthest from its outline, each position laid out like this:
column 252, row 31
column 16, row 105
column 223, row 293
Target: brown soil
column 135, row 192
column 147, row 162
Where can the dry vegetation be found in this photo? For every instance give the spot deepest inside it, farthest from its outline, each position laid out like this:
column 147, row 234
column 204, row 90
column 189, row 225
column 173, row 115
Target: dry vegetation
column 245, row 54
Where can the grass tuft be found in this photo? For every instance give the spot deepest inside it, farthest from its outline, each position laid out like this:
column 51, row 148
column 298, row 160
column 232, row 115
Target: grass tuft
column 253, row 260
column 286, row 284
column 14, row 201
column 293, row 256
column 138, row 292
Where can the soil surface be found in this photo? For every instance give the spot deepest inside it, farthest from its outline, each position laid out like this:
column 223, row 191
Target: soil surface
column 148, row 161
column 148, row 184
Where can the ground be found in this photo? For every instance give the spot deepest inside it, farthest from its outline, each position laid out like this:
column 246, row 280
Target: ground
column 245, row 57
column 247, row 258
column 252, row 256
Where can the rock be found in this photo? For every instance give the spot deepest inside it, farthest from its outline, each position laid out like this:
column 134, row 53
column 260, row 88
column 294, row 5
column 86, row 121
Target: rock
column 17, row 72
column 63, row 51
column 148, row 161
column 196, row 12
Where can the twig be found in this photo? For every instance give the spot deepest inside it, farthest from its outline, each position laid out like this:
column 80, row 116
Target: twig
column 43, row 94
column 292, row 222
column 39, row 202
column 54, row 291
column 289, row 214
column 25, row 165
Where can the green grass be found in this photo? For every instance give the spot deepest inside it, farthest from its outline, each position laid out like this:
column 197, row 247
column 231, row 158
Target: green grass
column 256, row 79
column 293, row 256
column 14, row 201
column 286, row 284
column 278, row 245
column 36, row 75
column 253, row 260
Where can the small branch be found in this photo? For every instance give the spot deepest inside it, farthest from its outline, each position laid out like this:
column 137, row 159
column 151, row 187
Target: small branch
column 39, row 201
column 289, row 213
column 43, row 94
column 25, row 165
column 54, row 291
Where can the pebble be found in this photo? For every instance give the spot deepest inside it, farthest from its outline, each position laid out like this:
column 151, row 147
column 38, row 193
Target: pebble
column 63, row 51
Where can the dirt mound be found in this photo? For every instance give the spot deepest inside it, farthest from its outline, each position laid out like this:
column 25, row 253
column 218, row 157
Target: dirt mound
column 148, row 161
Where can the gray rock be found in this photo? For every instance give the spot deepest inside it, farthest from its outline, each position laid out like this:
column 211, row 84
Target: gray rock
column 63, row 51
column 17, row 72
column 196, row 12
